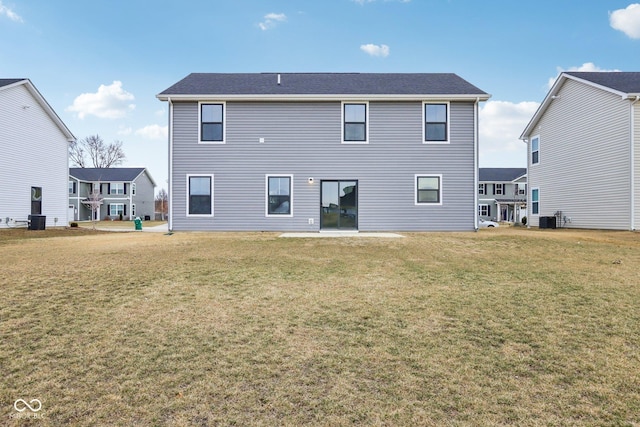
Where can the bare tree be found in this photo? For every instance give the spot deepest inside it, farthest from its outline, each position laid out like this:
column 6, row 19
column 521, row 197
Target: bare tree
column 93, row 202
column 162, row 203
column 93, row 152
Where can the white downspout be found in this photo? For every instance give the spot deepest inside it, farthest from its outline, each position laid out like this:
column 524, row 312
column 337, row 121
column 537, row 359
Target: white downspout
column 475, row 165
column 170, row 181
column 633, row 163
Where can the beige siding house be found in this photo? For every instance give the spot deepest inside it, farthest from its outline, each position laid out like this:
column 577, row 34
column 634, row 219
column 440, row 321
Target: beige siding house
column 583, row 148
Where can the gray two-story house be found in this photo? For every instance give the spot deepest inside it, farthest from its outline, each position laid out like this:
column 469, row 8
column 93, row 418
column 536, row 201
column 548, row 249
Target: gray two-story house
column 122, row 193
column 502, row 194
column 583, row 152
column 323, row 151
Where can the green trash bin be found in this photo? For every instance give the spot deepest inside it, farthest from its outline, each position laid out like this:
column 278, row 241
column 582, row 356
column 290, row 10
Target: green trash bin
column 138, row 223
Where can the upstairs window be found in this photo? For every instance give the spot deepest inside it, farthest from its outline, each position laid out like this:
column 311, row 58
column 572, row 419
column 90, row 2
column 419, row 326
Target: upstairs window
column 436, row 123
column 498, row 189
column 72, row 187
column 535, row 150
column 482, row 189
column 212, row 123
column 354, row 122
column 116, row 188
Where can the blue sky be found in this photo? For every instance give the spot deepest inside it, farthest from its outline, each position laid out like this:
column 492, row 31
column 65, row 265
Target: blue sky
column 101, row 63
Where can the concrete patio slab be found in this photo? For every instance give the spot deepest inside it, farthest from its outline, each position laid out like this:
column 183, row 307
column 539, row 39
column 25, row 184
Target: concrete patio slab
column 338, row 234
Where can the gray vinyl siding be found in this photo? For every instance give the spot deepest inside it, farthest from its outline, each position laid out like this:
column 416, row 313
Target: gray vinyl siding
column 144, row 199
column 303, row 139
column 584, row 165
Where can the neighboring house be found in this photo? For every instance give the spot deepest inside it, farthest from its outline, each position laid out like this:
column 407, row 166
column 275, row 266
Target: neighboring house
column 584, row 152
column 323, row 151
column 502, row 194
column 126, row 193
column 34, row 163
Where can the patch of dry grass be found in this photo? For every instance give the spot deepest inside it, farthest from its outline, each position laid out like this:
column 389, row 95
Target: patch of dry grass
column 500, row 327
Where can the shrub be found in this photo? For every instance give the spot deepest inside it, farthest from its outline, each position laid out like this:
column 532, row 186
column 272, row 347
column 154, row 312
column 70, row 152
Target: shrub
column 524, row 220
column 73, row 225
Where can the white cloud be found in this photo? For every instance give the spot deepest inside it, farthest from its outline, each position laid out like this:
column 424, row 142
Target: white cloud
column 627, row 20
column 271, row 20
column 375, row 50
column 501, row 124
column 4, row 10
column 587, row 66
column 156, row 132
column 110, row 102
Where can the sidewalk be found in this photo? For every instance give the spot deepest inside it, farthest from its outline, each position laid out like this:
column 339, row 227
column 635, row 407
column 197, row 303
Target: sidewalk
column 163, row 228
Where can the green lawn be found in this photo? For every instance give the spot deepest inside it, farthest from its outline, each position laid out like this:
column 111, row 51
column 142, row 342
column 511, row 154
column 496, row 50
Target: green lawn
column 501, row 327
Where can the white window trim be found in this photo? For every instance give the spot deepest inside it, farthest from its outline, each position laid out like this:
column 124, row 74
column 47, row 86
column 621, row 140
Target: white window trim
column 424, row 122
column 532, row 189
column 133, row 188
column 484, row 189
column 224, row 123
column 111, row 193
column 480, row 206
column 266, row 198
column 366, row 124
column 415, row 188
column 531, row 149
column 212, row 195
column 133, row 210
column 111, row 205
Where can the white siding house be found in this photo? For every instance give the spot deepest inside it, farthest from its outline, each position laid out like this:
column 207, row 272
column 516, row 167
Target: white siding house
column 583, row 152
column 34, row 168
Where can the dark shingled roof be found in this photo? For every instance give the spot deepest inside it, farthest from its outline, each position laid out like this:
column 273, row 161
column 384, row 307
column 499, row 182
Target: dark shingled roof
column 500, row 174
column 105, row 174
column 7, row 82
column 322, row 84
column 627, row 82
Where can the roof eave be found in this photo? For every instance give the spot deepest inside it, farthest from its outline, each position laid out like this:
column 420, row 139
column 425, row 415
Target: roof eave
column 542, row 108
column 45, row 105
column 322, row 97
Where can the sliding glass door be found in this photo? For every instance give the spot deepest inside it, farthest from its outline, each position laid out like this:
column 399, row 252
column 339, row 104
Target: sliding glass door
column 339, row 205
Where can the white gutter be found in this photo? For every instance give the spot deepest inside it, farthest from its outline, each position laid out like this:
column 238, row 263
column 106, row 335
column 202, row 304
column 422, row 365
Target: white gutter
column 170, row 182
column 476, row 162
column 130, row 201
column 321, row 97
column 632, row 157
